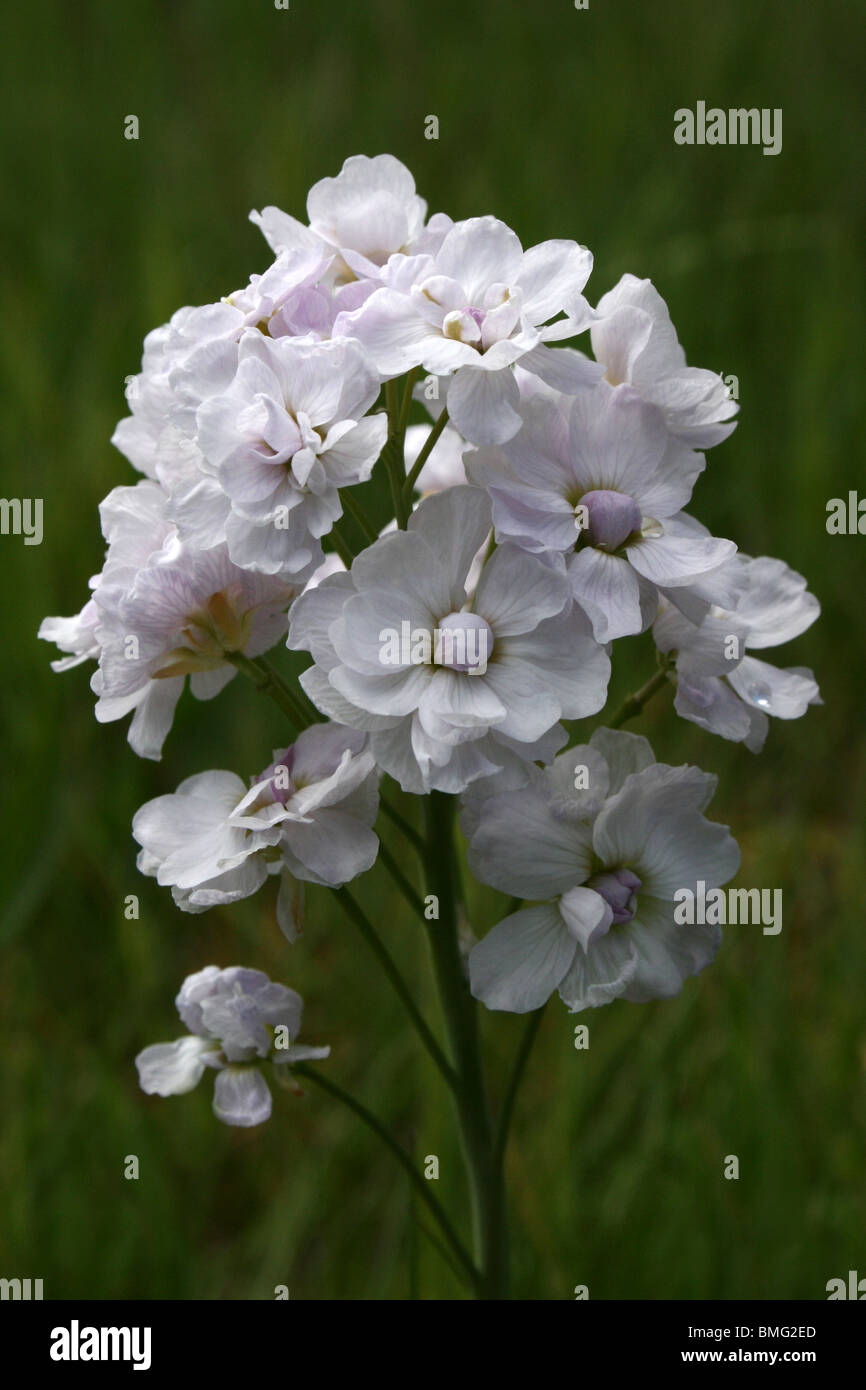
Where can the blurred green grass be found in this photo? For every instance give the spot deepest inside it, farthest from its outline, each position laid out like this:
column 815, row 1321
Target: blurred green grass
column 560, row 122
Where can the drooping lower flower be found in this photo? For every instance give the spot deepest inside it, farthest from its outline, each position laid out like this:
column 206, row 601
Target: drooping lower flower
column 238, row 1020
column 602, row 841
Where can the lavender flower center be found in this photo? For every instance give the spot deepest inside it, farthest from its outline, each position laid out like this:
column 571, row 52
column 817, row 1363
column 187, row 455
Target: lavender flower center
column 279, row 774
column 619, row 888
column 613, row 516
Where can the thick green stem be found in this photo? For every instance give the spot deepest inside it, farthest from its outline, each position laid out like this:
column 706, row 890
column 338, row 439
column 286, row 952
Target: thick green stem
column 420, row 1185
column 489, row 1214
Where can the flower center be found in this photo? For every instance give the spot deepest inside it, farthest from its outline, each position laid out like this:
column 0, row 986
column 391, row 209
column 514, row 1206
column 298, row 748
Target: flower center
column 279, row 774
column 619, row 888
column 464, row 326
column 609, row 518
column 207, row 634
column 463, row 642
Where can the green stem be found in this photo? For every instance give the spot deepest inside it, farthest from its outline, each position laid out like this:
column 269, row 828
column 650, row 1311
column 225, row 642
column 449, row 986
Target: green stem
column 263, row 675
column 399, row 820
column 633, row 704
column 426, row 451
column 407, row 400
column 413, row 899
column 529, row 1035
column 356, row 913
column 485, row 1173
column 420, row 1185
column 393, row 455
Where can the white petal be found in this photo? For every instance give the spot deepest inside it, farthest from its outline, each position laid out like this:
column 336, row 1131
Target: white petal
column 172, row 1069
column 521, row 961
column 521, row 847
column 667, row 954
column 784, row 694
column 654, row 826
column 483, row 404
column 241, row 1097
column 608, row 590
column 624, row 753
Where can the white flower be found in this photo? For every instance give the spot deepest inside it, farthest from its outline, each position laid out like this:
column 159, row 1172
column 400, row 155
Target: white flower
column 280, row 442
column 597, row 478
column 232, row 1015
column 195, row 355
column 607, row 860
column 719, row 686
column 635, row 341
column 181, row 614
column 308, row 816
column 138, row 531
column 473, row 310
column 361, row 217
column 438, row 719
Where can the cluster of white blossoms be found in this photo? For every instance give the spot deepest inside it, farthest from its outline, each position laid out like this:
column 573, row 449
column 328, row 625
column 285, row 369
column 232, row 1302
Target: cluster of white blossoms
column 545, row 514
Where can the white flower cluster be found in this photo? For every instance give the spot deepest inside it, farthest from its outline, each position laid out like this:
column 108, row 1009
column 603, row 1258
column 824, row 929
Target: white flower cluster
column 553, row 518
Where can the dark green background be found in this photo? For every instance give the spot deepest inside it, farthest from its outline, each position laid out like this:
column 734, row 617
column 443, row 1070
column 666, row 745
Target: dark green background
column 560, row 122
